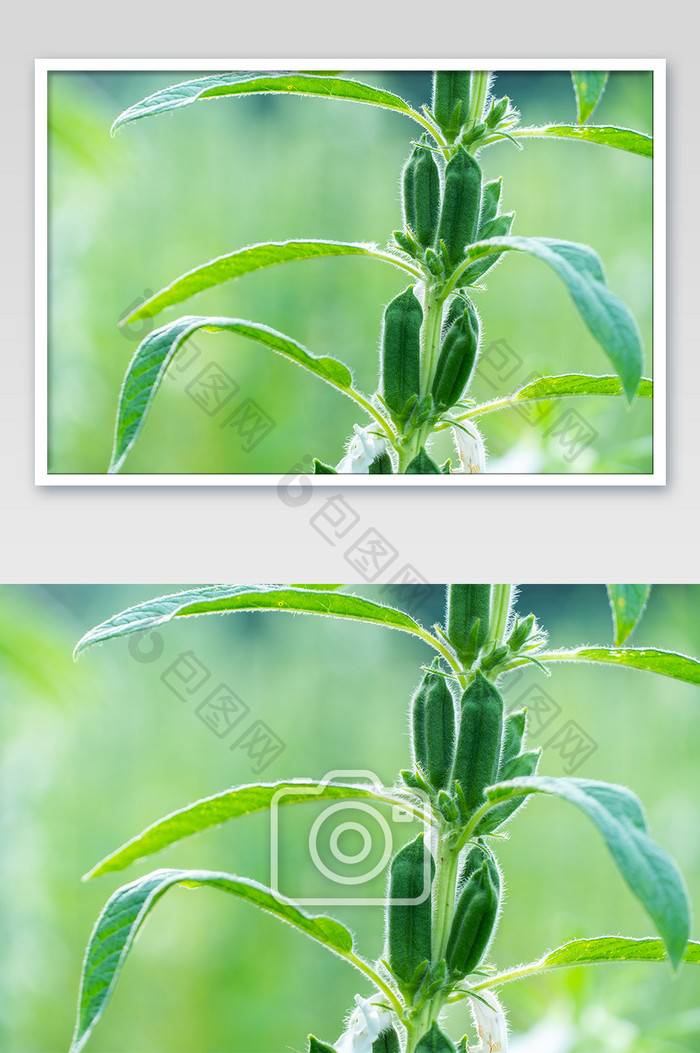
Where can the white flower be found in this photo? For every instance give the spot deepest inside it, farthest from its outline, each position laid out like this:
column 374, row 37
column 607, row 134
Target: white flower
column 490, row 1023
column 366, row 1023
column 470, row 447
column 362, row 449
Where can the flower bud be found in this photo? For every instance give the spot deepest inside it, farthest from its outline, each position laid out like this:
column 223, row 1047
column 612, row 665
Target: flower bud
column 363, row 449
column 470, row 447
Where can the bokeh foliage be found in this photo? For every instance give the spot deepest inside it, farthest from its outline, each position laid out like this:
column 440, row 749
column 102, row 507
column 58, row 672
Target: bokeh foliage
column 92, row 752
column 128, row 215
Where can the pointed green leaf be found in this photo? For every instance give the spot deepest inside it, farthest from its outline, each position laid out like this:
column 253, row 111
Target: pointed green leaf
column 627, row 603
column 241, row 800
column 598, row 951
column 323, row 469
column 603, row 135
column 126, row 910
column 423, row 464
column 588, row 88
column 219, row 85
column 567, row 385
column 220, row 599
column 609, row 320
column 614, row 949
column 316, row 1046
column 387, row 1042
column 154, row 354
column 647, row 868
column 651, row 660
column 435, row 1041
column 254, row 258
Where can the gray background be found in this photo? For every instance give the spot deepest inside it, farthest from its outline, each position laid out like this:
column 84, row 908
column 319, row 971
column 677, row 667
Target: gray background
column 523, row 533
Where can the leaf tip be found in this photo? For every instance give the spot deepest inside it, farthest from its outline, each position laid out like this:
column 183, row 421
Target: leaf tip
column 116, row 125
column 82, row 645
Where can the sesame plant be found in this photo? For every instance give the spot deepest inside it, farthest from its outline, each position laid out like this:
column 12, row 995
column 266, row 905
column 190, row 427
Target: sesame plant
column 470, row 773
column 455, row 228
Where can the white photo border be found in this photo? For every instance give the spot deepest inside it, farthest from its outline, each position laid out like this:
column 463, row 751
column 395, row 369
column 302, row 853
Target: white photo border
column 43, row 67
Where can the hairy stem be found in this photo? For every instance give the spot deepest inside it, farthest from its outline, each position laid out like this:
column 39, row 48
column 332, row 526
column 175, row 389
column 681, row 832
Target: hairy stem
column 500, row 609
column 374, row 976
column 479, row 91
column 444, row 889
column 430, row 337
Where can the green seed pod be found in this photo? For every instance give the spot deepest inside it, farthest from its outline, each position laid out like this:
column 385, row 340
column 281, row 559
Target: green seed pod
column 479, row 743
column 451, row 89
column 403, row 318
column 458, row 305
column 421, row 194
column 316, row 1046
column 456, row 360
column 490, row 199
column 435, row 1041
column 387, row 1042
column 473, row 923
column 461, row 204
column 513, row 735
column 466, row 604
column 433, row 729
column 523, row 764
column 474, row 861
column 409, row 926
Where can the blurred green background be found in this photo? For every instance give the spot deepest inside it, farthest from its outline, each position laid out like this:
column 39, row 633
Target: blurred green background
column 93, row 752
column 128, row 215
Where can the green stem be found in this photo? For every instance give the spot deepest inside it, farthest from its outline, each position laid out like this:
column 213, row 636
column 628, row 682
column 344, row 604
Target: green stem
column 434, row 129
column 416, row 1026
column 474, row 822
column 446, row 867
column 498, row 404
column 478, row 251
column 500, row 609
column 431, row 331
column 369, row 408
column 407, row 450
column 431, row 126
column 444, row 888
column 390, row 257
column 477, row 97
column 430, row 337
column 446, row 654
column 374, row 976
column 516, row 974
